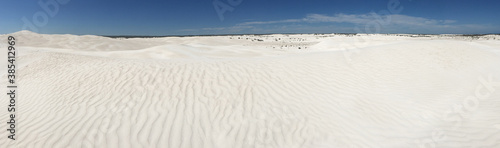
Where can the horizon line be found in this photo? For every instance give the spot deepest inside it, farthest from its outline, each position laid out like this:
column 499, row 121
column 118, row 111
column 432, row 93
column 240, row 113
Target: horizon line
column 236, row 34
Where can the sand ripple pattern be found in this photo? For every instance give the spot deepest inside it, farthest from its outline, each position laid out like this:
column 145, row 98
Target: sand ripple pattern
column 385, row 96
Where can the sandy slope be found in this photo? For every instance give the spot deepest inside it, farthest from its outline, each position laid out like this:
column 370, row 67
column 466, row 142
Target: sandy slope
column 336, row 91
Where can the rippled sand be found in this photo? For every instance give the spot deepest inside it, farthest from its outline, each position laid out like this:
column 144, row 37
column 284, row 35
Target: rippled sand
column 236, row 91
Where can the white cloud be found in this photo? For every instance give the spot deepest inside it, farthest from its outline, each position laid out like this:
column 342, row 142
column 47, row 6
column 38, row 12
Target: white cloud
column 357, row 19
column 393, row 23
column 233, row 28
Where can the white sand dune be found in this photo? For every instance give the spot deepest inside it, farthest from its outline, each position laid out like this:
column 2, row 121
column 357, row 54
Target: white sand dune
column 335, row 91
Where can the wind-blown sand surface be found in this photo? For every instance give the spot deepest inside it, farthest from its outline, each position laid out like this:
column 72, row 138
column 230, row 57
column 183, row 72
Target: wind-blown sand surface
column 236, row 91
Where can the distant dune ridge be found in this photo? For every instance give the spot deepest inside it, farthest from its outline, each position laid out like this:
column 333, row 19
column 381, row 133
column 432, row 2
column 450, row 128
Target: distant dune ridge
column 309, row 90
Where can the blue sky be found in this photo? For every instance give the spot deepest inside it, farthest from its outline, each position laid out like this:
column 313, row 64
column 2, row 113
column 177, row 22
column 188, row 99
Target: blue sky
column 192, row 17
